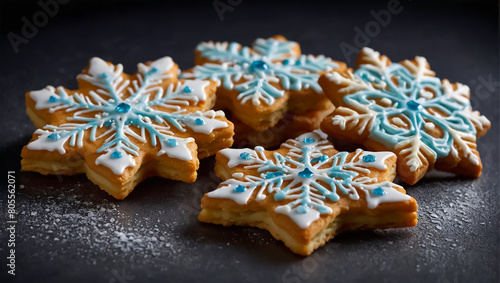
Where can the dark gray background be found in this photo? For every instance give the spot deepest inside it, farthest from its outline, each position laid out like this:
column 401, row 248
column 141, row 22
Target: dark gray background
column 69, row 230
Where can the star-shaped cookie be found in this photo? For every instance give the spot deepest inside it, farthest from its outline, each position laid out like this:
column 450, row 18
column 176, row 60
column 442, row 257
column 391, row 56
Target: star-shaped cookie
column 260, row 84
column 306, row 192
column 119, row 128
column 402, row 107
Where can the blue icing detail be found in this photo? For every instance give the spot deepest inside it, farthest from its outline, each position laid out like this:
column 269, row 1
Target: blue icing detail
column 302, row 209
column 116, row 154
column 187, row 89
column 239, row 189
column 245, row 156
column 199, row 121
column 52, row 99
column 403, row 95
column 54, row 137
column 306, row 173
column 308, row 140
column 270, row 175
column 123, row 108
column 172, row 142
column 412, row 105
column 379, row 191
column 316, row 183
column 114, row 109
column 369, row 158
column 259, row 65
column 319, row 159
column 237, row 61
column 279, row 195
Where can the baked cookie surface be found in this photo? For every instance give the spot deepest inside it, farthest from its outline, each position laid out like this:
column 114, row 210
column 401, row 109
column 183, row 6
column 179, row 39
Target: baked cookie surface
column 119, row 128
column 262, row 83
column 306, row 192
column 402, row 107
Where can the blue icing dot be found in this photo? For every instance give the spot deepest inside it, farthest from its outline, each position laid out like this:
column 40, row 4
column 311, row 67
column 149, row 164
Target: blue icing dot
column 412, row 105
column 259, row 65
column 297, row 63
column 302, row 209
column 172, row 142
column 52, row 99
column 245, row 155
column 54, row 137
column 239, row 189
column 308, row 140
column 279, row 195
column 286, row 62
column 153, row 70
column 379, row 191
column 306, row 173
column 270, row 175
column 123, row 108
column 104, row 75
column 117, row 154
column 107, row 123
column 199, row 122
column 369, row 158
column 187, row 89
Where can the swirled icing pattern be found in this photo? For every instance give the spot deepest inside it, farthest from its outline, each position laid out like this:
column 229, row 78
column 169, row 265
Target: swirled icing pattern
column 129, row 110
column 404, row 106
column 254, row 72
column 307, row 178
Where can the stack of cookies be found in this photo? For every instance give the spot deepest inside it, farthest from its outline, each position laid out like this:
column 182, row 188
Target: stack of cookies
column 119, row 129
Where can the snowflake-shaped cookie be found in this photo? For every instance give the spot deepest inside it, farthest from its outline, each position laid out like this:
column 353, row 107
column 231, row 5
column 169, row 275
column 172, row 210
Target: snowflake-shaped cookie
column 307, row 190
column 404, row 108
column 120, row 128
column 261, row 83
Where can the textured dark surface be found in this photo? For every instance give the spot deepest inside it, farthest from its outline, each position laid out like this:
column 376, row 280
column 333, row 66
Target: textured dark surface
column 70, row 231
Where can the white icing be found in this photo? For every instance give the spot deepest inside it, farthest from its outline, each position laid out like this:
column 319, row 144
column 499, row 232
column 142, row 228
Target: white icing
column 391, row 194
column 163, row 65
column 44, row 143
column 117, row 165
column 227, row 192
column 309, row 183
column 380, row 158
column 180, row 151
column 238, row 175
column 98, row 67
column 42, row 96
column 197, row 88
column 234, row 156
column 209, row 123
column 429, row 126
column 302, row 220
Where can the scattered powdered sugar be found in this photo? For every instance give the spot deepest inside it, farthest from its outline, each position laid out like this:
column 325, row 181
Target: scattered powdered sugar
column 92, row 229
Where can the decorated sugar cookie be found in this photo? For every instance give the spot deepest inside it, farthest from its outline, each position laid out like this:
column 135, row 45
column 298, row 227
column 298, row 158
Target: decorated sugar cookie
column 404, row 108
column 259, row 85
column 119, row 128
column 306, row 192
